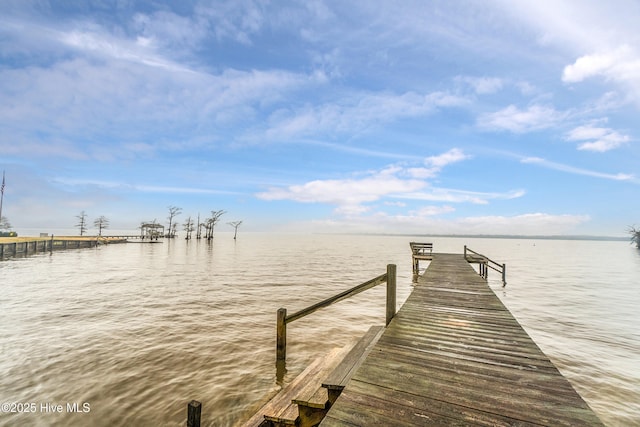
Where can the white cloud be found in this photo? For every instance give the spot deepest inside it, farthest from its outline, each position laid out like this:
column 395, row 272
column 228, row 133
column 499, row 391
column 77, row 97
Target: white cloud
column 394, row 182
column 587, row 66
column 426, row 221
column 433, row 210
column 350, row 194
column 622, row 64
column 577, row 25
column 95, row 42
column 513, row 119
column 237, row 20
column 483, row 85
column 166, row 29
column 461, row 196
column 396, row 204
column 81, row 103
column 142, row 188
column 434, row 164
column 452, row 156
column 526, row 88
column 346, row 192
column 356, row 113
column 578, row 171
column 587, row 132
column 602, row 37
column 598, row 139
column 525, row 224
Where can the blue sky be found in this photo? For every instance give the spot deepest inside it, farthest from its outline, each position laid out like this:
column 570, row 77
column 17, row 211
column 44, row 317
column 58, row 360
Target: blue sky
column 331, row 116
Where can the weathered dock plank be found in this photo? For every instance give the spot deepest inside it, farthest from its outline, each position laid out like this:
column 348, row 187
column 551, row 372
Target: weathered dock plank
column 454, row 355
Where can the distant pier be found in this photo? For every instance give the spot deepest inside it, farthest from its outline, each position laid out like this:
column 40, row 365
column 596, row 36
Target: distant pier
column 23, row 246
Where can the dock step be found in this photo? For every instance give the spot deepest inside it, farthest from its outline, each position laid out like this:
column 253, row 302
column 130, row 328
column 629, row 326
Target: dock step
column 341, row 375
column 306, row 400
column 281, row 409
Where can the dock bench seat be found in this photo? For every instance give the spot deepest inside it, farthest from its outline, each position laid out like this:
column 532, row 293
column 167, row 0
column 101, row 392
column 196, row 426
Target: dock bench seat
column 341, row 375
column 421, row 249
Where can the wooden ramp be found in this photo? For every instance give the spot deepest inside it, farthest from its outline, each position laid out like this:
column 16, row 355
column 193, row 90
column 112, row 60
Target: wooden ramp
column 454, row 355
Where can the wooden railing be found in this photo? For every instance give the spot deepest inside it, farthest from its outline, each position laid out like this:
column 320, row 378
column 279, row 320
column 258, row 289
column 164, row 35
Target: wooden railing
column 283, row 319
column 194, row 408
column 420, row 251
column 421, row 248
column 485, row 263
column 44, row 245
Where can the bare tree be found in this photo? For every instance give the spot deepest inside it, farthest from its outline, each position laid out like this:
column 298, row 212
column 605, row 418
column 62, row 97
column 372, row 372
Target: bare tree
column 212, row 221
column 198, row 228
column 82, row 222
column 101, row 223
column 173, row 212
column 4, row 223
column 188, row 227
column 235, row 225
column 635, row 235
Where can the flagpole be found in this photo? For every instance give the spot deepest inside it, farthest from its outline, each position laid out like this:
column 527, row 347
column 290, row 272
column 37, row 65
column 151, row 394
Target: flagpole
column 1, row 195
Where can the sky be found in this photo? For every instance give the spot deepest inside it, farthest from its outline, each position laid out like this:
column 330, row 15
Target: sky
column 419, row 117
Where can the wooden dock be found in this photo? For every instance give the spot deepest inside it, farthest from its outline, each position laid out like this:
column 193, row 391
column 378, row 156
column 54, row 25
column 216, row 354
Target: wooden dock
column 23, row 246
column 454, row 355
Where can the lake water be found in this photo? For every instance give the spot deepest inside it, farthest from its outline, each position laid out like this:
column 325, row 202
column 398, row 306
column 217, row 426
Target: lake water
column 128, row 334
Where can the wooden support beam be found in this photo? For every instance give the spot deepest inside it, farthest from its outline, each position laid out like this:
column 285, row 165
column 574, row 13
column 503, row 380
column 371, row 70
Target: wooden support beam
column 391, row 292
column 194, row 411
column 281, row 334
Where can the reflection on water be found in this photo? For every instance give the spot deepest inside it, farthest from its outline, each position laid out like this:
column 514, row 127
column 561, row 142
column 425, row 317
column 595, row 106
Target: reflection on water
column 137, row 330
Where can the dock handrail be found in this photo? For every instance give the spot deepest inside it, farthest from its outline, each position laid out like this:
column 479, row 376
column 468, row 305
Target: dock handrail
column 488, row 262
column 420, row 251
column 421, row 248
column 282, row 318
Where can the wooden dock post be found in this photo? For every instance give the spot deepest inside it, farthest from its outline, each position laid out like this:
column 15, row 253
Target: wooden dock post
column 194, row 410
column 281, row 335
column 504, row 275
column 391, row 292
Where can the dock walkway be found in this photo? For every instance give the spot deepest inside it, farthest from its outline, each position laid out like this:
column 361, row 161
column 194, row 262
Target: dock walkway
column 454, row 355
column 23, row 246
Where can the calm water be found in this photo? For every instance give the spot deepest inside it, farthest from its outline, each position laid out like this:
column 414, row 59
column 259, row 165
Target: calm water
column 134, row 332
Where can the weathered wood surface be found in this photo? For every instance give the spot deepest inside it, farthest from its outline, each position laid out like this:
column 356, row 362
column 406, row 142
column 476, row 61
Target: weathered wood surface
column 454, row 355
column 339, row 378
column 307, row 386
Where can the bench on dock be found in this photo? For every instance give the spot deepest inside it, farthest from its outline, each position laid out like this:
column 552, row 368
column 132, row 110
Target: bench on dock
column 306, row 400
column 420, row 251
